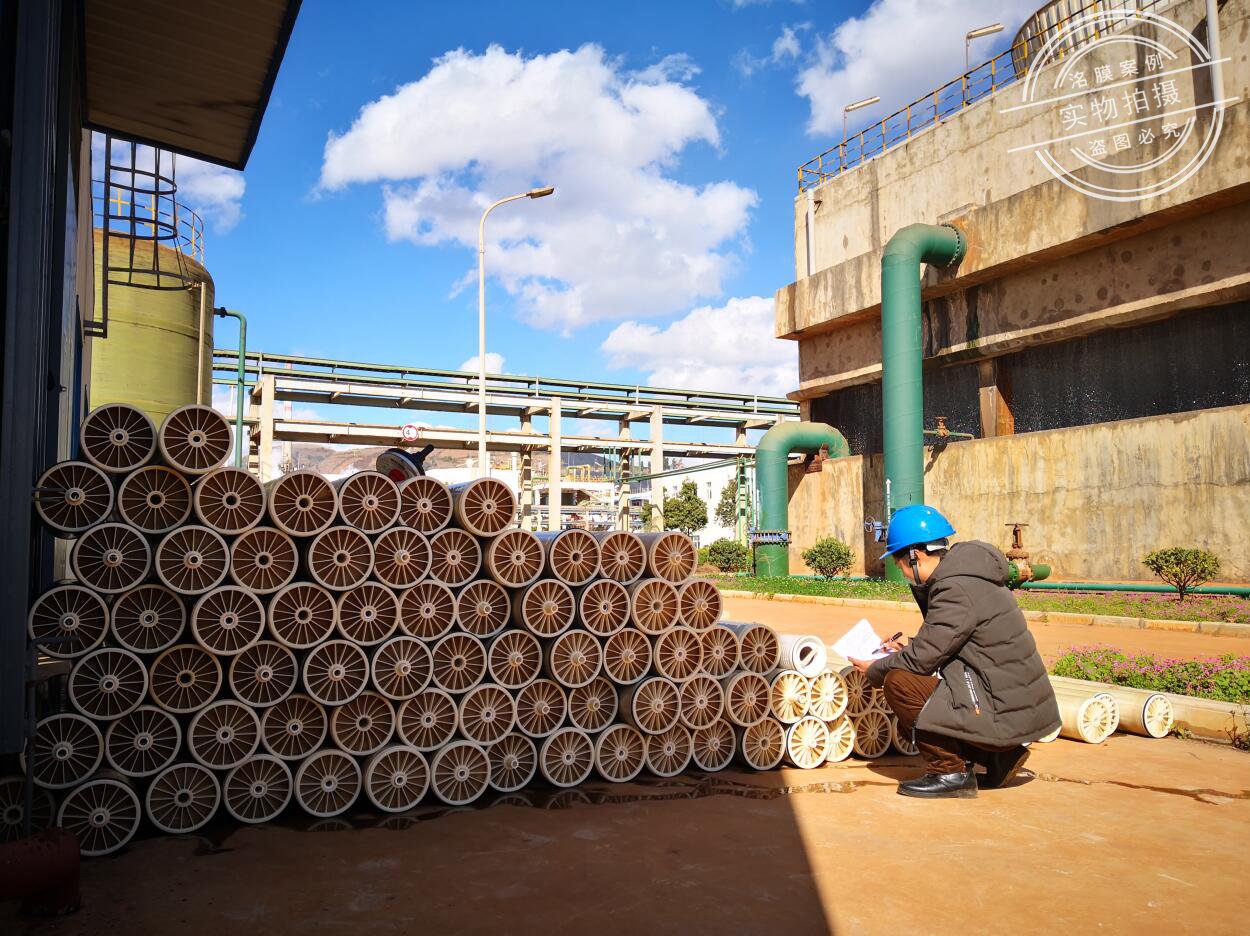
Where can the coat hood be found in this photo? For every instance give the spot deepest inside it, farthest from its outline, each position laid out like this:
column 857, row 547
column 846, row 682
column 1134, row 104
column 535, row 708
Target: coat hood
column 974, row 558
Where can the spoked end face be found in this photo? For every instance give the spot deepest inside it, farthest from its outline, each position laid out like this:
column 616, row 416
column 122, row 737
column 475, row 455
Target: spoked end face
column 513, row 762
column 828, row 696
column 540, row 708
column 679, row 654
column 340, row 558
column 229, row 500
column 427, row 610
column 515, row 558
column 485, row 506
column 302, row 615
column 654, row 705
column 363, row 725
column 1158, row 717
column 335, row 672
column 144, row 742
column 108, row 683
column 872, row 734
column 223, row 734
column 111, row 558
column 841, row 739
column 702, row 702
column 515, row 658
column 75, row 617
column 294, row 728
column 763, row 744
column 654, row 605
column 455, row 557
column 195, row 439
column 574, row 658
column 263, row 560
column 72, row 496
column 546, row 607
column 622, row 556
column 746, row 698
column 401, row 557
column 567, row 757
column 68, row 749
column 185, row 678
column 699, row 603
column 148, row 619
column 428, row 720
column 627, row 656
column 258, row 789
column 668, row 754
column 713, row 746
column 487, row 713
column 264, row 674
column 13, row 809
column 227, row 620
column 604, row 607
column 790, row 697
column 620, row 753
column 858, row 691
column 117, row 438
column 807, row 743
column 671, row 555
column 154, row 499
column 458, row 662
column 573, row 556
column 460, row 773
column 720, row 651
column 192, row 559
column 401, row 667
column 182, row 798
column 900, row 738
column 369, row 501
column 760, row 649
column 302, row 503
column 483, row 608
column 424, row 504
column 368, row 614
column 592, row 707
column 102, row 814
column 396, row 778
column 327, row 783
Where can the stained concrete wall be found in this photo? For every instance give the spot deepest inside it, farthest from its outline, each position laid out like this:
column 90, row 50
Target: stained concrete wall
column 1096, row 498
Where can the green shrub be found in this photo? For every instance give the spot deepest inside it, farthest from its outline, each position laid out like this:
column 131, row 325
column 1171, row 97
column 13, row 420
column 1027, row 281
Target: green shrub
column 1225, row 678
column 686, row 510
column 1182, row 568
column 829, row 557
column 727, row 555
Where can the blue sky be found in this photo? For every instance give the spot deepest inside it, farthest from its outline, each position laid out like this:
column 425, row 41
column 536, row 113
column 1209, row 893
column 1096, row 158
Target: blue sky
column 671, row 132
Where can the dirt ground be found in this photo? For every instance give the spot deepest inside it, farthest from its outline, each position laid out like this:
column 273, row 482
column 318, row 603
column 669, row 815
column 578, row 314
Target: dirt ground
column 1130, row 836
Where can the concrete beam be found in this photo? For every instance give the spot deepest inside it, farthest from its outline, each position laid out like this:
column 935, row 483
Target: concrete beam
column 553, row 471
column 657, row 465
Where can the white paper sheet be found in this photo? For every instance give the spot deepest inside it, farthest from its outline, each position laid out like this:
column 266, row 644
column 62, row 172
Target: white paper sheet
column 860, row 643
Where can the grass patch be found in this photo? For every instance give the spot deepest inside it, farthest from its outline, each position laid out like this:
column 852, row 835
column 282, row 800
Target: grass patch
column 1224, row 678
column 789, row 585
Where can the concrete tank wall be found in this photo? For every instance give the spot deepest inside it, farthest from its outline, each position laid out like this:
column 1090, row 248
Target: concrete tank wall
column 1097, row 498
column 155, row 356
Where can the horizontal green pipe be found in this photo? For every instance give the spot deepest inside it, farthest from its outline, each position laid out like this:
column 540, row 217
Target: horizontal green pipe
column 836, row 578
column 1239, row 590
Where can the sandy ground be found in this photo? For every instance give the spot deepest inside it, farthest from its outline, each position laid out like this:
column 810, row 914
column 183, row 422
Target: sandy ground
column 1130, row 836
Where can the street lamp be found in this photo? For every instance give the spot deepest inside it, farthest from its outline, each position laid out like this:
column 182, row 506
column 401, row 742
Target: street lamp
column 483, row 466
column 977, row 34
column 854, row 107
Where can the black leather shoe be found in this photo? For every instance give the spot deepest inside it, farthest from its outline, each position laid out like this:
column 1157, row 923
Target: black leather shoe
column 961, row 785
column 1001, row 766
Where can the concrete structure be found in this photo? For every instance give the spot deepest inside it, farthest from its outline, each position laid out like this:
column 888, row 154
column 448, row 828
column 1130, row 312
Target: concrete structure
column 1112, row 332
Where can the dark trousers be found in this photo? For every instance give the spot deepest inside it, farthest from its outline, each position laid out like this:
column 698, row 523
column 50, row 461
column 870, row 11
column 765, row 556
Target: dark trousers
column 906, row 694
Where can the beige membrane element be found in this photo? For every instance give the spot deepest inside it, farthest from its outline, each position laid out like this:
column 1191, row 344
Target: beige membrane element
column 603, row 607
column 515, row 658
column 455, row 557
column 227, row 620
column 76, row 617
column 540, row 708
column 572, row 556
column 335, row 672
column 396, row 778
column 102, row 814
column 652, row 706
column 513, row 762
column 223, row 734
column 192, row 560
column 327, row 783
column 712, row 748
column 627, row 656
column 144, row 742
column 459, row 662
column 424, row 504
column 671, row 555
column 699, row 604
column 368, row 614
column 264, row 674
column 108, row 683
column 368, row 501
column 111, row 558
column 679, row 654
column 117, row 438
column 427, row 610
column 702, row 702
column 762, row 745
column 340, row 558
column 154, row 499
column 789, row 697
column 182, row 798
column 828, row 696
column 841, row 739
column 653, row 605
column 574, row 658
column 148, row 619
column 483, row 607
column 620, row 753
column 668, row 754
column 460, row 773
column 515, row 558
column 486, row 714
column 294, row 728
column 229, row 500
column 872, row 734
column 185, row 678
column 566, row 757
column 428, row 720
column 194, row 439
column 401, row 557
column 263, row 560
column 747, row 698
column 302, row 615
column 401, row 667
column 484, row 506
column 760, row 650
column 807, row 743
column 72, row 496
column 302, row 503
column 592, row 707
column 258, row 789
column 622, row 556
column 546, row 608
column 720, row 651
column 364, row 725
column 67, row 750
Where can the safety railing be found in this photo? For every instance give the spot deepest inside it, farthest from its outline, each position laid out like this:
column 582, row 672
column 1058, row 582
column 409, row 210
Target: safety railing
column 977, row 83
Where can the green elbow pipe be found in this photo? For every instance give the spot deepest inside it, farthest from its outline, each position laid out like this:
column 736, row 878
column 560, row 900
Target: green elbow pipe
column 240, row 382
column 902, row 389
column 772, row 483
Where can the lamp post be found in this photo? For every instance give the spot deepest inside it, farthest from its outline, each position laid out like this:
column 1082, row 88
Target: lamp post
column 483, row 467
column 977, row 34
column 866, row 102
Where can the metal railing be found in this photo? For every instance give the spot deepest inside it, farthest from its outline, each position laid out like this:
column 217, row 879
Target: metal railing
column 977, row 83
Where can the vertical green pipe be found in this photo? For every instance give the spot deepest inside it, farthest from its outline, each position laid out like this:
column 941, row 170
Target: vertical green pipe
column 902, row 388
column 240, row 380
column 772, row 482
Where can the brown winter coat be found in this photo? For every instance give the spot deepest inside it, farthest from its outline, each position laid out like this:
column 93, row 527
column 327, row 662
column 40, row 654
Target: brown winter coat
column 994, row 687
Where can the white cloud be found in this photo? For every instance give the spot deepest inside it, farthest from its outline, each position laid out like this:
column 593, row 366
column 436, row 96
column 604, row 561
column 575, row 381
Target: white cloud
column 621, row 237
column 897, row 50
column 786, row 47
column 494, row 363
column 730, row 348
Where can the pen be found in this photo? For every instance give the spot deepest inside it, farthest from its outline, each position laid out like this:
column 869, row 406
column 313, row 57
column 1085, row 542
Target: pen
column 891, row 640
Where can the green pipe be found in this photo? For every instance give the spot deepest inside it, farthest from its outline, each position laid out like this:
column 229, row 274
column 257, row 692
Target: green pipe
column 772, row 484
column 240, row 382
column 1241, row 591
column 902, row 389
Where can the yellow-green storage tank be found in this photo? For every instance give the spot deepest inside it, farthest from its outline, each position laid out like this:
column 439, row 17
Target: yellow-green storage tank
column 158, row 355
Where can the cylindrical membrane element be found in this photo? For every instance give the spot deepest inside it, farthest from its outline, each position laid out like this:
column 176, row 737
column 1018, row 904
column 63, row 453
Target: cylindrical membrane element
column 669, row 753
column 73, row 496
column 367, row 614
column 720, row 651
column 483, row 506
column 428, row 720
column 264, row 674
column 195, row 439
column 117, row 438
column 652, row 706
column 302, row 615
column 515, row 558
column 540, row 708
column 513, row 762
column 340, row 558
column 573, row 659
column 401, row 557
column 747, row 698
column 702, row 702
column 762, row 746
column 678, row 654
column 13, row 809
column 229, row 500
column 807, row 743
column 148, row 619
column 458, row 662
column 671, row 555
column 627, row 656
column 424, row 504
column 363, row 725
column 805, row 655
column 294, row 728
column 841, row 739
column 154, row 499
column 622, row 556
column 1085, row 719
column 760, row 649
column 302, row 503
column 789, row 697
column 182, row 798
column 327, row 783
column 572, row 555
column 592, row 707
column 75, row 617
column 515, row 658
column 653, row 605
column 185, row 678
column 546, row 608
column 108, row 683
column 401, row 667
column 258, row 789
column 427, row 610
column 263, row 560
column 67, row 750
column 460, row 773
column 192, row 560
column 603, row 607
column 142, row 743
column 486, row 714
column 396, row 778
column 368, row 501
column 335, row 672
column 223, row 734
column 872, row 734
column 566, row 757
column 858, row 691
column 828, row 696
column 699, row 603
column 901, row 739
column 455, row 557
column 712, row 747
column 483, row 607
column 620, row 753
column 111, row 558
column 227, row 620
column 103, row 814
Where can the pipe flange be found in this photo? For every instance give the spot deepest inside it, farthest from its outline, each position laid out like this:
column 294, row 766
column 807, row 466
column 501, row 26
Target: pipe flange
column 961, row 249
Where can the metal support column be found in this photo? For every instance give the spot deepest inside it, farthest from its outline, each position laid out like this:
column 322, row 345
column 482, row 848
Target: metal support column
column 657, row 465
column 525, row 480
column 554, row 496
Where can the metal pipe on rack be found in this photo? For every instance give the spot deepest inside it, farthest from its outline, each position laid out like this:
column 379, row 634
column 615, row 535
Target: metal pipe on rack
column 240, row 381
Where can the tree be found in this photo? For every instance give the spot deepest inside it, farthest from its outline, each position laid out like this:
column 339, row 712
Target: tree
column 1183, row 569
column 645, row 514
column 829, row 557
column 686, row 511
column 727, row 509
column 727, row 555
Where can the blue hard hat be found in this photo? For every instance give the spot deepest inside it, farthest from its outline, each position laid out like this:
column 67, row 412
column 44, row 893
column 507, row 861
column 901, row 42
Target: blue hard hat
column 913, row 525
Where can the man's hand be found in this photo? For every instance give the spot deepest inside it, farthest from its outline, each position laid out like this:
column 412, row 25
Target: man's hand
column 861, row 665
column 894, row 646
